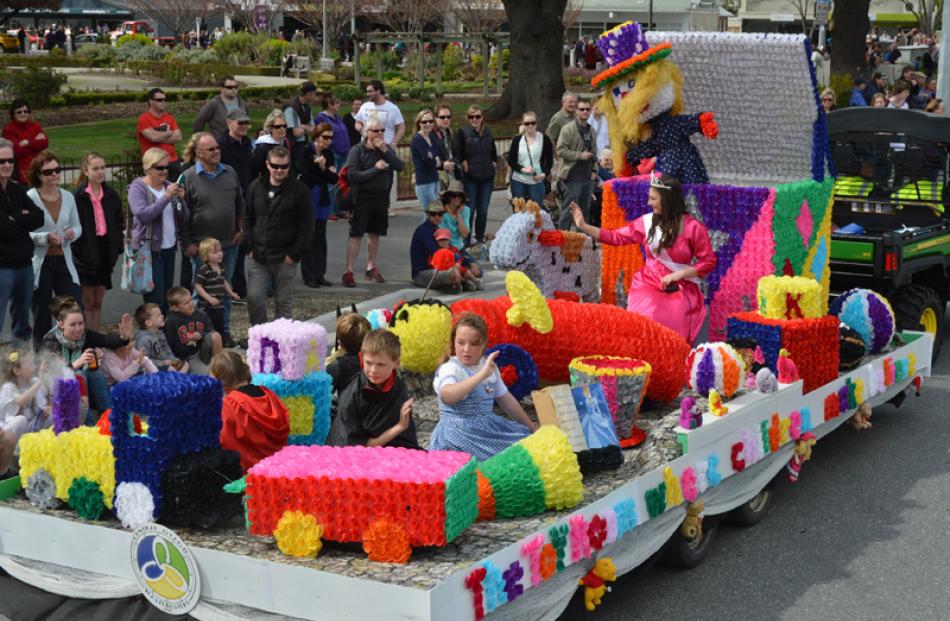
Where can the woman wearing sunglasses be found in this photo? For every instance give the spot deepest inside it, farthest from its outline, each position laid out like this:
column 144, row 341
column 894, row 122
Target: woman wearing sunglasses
column 158, row 214
column 530, row 157
column 275, row 126
column 318, row 171
column 26, row 134
column 427, row 159
column 54, row 272
column 475, row 149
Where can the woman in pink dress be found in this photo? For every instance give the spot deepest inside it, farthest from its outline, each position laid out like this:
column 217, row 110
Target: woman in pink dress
column 678, row 255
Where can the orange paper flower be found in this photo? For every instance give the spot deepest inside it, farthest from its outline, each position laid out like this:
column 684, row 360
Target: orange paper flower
column 386, row 542
column 443, row 259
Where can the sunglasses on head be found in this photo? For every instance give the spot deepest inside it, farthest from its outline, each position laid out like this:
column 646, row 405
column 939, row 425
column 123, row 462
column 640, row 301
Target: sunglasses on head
column 278, row 166
column 474, row 116
column 10, row 161
column 160, row 168
column 49, row 172
column 278, row 127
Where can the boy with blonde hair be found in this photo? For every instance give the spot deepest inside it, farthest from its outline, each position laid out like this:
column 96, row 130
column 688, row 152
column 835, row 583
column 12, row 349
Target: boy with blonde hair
column 212, row 286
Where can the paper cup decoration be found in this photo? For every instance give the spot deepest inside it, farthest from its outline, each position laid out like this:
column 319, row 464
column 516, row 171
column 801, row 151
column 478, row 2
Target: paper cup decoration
column 554, row 331
column 389, row 498
column 308, row 404
column 789, row 297
column 379, row 318
column 424, row 329
column 715, row 365
column 537, row 473
column 518, row 370
column 624, row 381
column 286, row 347
column 64, row 458
column 869, row 314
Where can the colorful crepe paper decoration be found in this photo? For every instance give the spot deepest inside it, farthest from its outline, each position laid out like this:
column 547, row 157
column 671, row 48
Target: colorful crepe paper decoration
column 558, row 261
column 715, row 366
column 787, row 370
column 65, row 407
column 473, row 582
column 869, row 314
column 286, row 347
column 553, row 331
column 513, row 576
column 624, row 382
column 424, row 329
column 494, row 585
column 379, row 318
column 308, row 404
column 811, row 343
column 537, row 473
column 522, row 368
column 389, row 498
column 597, row 532
column 558, row 536
column 789, row 297
column 580, row 543
column 179, row 459
column 531, row 550
column 82, row 452
column 298, row 534
column 85, row 497
column 712, row 472
column 691, row 417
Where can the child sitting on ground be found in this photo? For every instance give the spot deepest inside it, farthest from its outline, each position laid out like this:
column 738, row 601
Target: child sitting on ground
column 188, row 329
column 212, row 285
column 124, row 363
column 344, row 364
column 375, row 409
column 443, row 237
column 77, row 347
column 468, row 385
column 24, row 403
column 151, row 340
column 254, row 421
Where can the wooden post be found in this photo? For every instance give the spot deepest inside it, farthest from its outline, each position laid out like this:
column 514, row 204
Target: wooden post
column 379, row 61
column 356, row 61
column 485, row 60
column 439, row 61
column 501, row 66
column 422, row 61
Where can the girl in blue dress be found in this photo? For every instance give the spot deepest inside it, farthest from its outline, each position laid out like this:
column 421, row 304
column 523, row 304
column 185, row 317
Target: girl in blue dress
column 467, row 386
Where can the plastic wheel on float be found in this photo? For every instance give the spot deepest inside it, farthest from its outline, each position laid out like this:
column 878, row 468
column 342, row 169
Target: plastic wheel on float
column 687, row 553
column 917, row 307
column 752, row 512
column 298, row 534
column 385, row 541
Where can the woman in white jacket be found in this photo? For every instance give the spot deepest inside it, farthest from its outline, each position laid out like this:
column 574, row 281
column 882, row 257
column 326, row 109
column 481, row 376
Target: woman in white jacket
column 53, row 268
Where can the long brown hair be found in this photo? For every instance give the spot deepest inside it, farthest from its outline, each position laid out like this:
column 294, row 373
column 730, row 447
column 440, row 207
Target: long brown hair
column 34, row 174
column 84, row 166
column 673, row 208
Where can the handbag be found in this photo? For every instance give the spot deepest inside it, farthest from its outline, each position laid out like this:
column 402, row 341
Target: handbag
column 137, row 264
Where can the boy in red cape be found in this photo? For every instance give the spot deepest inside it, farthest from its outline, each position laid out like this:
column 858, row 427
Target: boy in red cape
column 254, row 421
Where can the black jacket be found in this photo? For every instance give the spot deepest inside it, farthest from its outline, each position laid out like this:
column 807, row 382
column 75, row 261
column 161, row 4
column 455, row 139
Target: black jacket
column 87, row 248
column 278, row 221
column 259, row 158
column 364, row 412
column 312, row 175
column 18, row 216
column 478, row 150
column 547, row 154
column 362, row 174
column 239, row 156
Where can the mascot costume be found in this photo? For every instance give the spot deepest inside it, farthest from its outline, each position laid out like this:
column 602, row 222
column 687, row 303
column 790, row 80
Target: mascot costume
column 643, row 103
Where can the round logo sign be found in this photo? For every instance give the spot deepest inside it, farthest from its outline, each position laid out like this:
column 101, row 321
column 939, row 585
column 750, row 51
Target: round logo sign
column 165, row 569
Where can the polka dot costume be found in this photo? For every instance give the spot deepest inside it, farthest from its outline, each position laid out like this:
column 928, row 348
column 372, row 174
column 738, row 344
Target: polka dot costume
column 670, row 145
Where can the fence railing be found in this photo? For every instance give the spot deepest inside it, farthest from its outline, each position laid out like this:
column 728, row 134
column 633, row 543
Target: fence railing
column 120, row 173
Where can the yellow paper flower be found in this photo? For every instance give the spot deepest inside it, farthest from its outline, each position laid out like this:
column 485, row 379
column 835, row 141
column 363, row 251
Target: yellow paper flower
column 527, row 304
column 424, row 330
column 298, row 534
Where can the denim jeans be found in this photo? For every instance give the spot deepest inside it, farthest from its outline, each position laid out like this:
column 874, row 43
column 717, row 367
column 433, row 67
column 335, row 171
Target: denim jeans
column 16, row 291
column 163, row 275
column 426, row 193
column 479, row 198
column 229, row 263
column 530, row 191
column 100, row 399
column 575, row 192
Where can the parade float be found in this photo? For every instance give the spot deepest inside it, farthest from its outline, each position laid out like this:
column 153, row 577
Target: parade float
column 444, row 537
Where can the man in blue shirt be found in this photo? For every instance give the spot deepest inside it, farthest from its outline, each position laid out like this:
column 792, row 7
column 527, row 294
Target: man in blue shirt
column 421, row 249
column 857, row 93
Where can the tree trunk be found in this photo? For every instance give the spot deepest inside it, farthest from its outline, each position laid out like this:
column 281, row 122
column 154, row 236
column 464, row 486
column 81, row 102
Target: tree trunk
column 535, row 72
column 851, row 25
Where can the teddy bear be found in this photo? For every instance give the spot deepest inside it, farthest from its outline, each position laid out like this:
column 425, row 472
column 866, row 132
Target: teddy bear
column 595, row 582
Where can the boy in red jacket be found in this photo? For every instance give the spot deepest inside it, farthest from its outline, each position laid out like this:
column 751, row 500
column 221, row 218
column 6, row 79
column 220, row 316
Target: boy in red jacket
column 254, row 421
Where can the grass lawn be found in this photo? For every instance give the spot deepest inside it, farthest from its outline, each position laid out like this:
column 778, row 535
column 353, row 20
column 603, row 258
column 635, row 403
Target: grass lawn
column 113, row 138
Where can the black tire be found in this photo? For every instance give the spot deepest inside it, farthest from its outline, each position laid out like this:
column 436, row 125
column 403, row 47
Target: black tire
column 910, row 303
column 687, row 553
column 752, row 512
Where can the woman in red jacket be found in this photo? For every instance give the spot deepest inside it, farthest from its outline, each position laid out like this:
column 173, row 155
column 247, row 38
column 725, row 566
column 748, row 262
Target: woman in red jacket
column 26, row 135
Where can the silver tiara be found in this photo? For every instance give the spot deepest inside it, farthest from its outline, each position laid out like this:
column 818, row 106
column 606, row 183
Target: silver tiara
column 655, row 182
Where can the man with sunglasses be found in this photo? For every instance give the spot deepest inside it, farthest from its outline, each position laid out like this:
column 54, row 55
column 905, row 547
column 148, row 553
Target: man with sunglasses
column 371, row 167
column 215, row 199
column 214, row 114
column 157, row 128
column 278, row 223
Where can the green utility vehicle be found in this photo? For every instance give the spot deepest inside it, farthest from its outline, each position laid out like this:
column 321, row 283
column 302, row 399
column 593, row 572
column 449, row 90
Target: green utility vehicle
column 890, row 229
